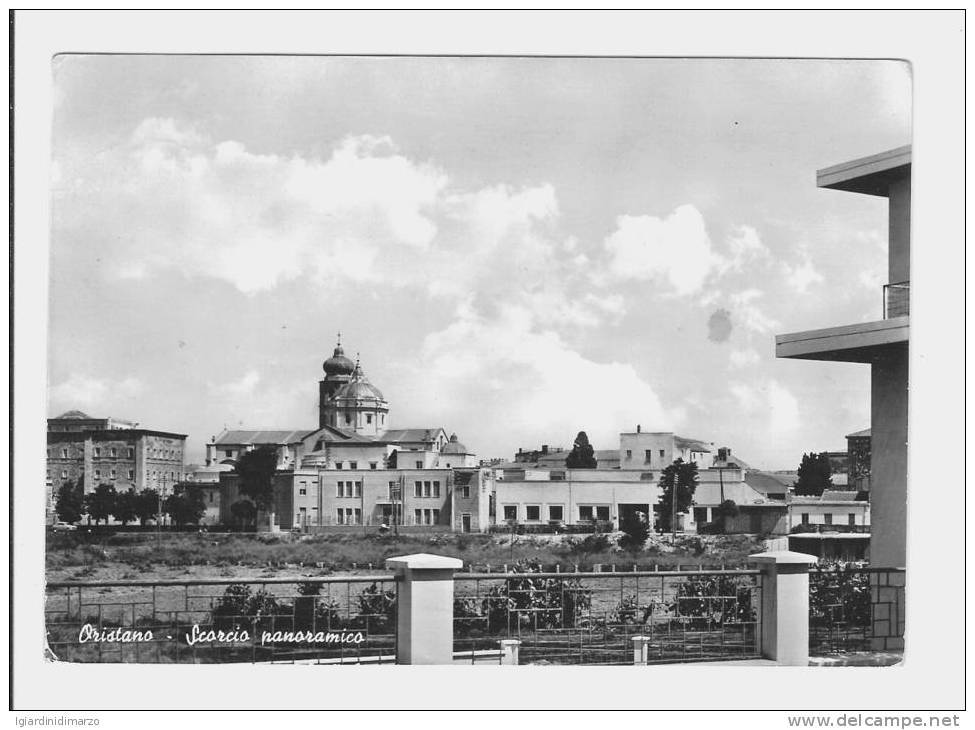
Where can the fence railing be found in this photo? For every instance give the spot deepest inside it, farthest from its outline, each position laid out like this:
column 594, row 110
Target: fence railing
column 321, row 620
column 856, row 610
column 593, row 618
column 897, row 299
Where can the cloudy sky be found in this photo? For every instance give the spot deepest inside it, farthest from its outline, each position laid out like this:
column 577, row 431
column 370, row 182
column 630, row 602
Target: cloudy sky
column 519, row 248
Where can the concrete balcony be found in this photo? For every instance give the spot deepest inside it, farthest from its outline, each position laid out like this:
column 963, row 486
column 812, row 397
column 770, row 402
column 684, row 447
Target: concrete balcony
column 864, row 342
column 897, row 299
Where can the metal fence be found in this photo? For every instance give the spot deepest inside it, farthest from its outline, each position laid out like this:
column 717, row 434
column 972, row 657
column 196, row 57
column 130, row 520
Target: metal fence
column 855, row 609
column 314, row 620
column 592, row 618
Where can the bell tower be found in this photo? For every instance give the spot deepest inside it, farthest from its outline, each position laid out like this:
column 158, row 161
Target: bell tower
column 338, row 371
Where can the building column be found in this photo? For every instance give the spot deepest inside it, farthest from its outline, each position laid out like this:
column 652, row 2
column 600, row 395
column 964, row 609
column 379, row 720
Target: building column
column 785, row 606
column 424, row 608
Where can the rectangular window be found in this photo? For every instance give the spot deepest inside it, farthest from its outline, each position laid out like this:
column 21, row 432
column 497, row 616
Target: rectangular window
column 661, row 453
column 373, row 464
column 64, row 453
column 629, row 453
column 585, row 513
column 602, row 514
column 511, row 512
column 228, row 453
column 436, row 489
column 98, row 474
column 111, row 474
column 131, row 454
column 357, row 516
column 533, row 513
column 368, row 418
column 418, row 517
column 828, row 518
column 851, row 519
column 417, row 489
column 358, row 489
column 426, row 489
column 211, row 497
column 555, row 512
column 419, row 465
column 353, row 465
column 465, row 492
column 98, row 452
column 339, row 489
column 64, row 474
column 114, row 453
column 302, row 491
column 435, row 516
column 131, row 473
column 805, row 518
column 340, row 516
column 647, row 455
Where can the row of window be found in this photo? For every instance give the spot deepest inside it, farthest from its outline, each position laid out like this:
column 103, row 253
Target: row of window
column 113, row 453
column 851, row 518
column 647, row 454
column 426, row 489
column 426, row 516
column 556, row 512
column 348, row 489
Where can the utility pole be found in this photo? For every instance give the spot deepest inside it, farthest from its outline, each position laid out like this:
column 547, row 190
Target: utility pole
column 673, row 510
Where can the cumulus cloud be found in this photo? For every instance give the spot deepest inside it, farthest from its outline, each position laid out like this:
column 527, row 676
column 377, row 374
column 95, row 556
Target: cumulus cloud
column 243, row 386
column 802, row 275
column 746, row 310
column 520, row 384
column 85, row 391
column 675, row 251
column 768, row 400
column 743, row 358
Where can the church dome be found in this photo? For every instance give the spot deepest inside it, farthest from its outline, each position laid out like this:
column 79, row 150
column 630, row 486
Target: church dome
column 454, row 446
column 338, row 363
column 358, row 389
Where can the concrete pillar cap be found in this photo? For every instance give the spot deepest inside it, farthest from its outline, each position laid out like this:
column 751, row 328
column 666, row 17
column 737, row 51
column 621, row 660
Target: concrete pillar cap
column 783, row 557
column 424, row 561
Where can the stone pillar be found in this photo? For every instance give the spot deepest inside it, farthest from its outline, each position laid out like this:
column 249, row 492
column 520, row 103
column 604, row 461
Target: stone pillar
column 785, row 606
column 509, row 652
column 424, row 608
column 641, row 647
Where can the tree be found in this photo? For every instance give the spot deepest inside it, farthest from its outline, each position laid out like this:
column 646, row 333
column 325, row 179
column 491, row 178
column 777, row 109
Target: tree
column 677, row 484
column 70, row 501
column 637, row 530
column 101, row 504
column 815, row 475
column 147, row 506
column 723, row 511
column 582, row 455
column 184, row 506
column 243, row 512
column 126, row 507
column 255, row 470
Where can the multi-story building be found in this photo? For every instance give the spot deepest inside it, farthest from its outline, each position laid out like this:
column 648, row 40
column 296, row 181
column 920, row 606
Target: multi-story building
column 108, row 451
column 883, row 344
column 858, row 459
column 354, row 470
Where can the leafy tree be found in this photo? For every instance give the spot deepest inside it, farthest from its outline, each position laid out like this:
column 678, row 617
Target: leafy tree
column 101, row 504
column 70, row 501
column 243, row 512
column 724, row 511
column 147, row 506
column 815, row 475
column 255, row 470
column 126, row 507
column 185, row 506
column 677, row 484
column 582, row 455
column 637, row 531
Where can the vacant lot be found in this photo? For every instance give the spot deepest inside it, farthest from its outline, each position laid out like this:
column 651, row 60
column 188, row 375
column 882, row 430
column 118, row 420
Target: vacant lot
column 255, row 556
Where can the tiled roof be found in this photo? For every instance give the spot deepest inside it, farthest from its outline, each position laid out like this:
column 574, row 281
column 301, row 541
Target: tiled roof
column 833, row 495
column 340, row 435
column 765, row 483
column 859, row 434
column 75, row 414
column 262, row 437
column 407, row 435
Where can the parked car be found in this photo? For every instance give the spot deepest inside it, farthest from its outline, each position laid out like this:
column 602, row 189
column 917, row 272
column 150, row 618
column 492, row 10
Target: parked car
column 63, row 527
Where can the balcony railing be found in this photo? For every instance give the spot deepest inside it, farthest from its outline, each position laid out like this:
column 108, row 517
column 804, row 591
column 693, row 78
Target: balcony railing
column 897, row 299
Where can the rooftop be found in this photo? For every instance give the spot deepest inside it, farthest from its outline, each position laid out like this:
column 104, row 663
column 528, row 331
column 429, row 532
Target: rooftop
column 869, row 175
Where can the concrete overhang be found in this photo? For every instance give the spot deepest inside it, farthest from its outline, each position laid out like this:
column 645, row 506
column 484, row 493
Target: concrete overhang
column 863, row 342
column 869, row 175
